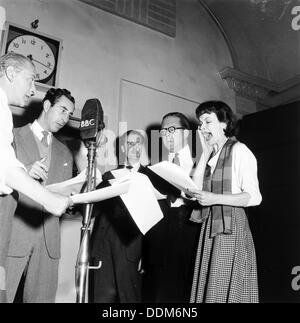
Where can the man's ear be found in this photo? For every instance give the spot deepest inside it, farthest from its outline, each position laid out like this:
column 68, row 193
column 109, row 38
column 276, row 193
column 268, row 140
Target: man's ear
column 10, row 73
column 186, row 133
column 46, row 105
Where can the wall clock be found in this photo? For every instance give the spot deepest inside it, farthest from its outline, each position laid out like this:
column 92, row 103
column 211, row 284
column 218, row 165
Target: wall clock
column 42, row 49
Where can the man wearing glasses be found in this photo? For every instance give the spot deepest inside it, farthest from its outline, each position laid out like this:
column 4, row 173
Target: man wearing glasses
column 116, row 240
column 170, row 245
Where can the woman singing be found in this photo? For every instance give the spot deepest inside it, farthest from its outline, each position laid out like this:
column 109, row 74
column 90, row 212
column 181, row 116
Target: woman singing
column 225, row 267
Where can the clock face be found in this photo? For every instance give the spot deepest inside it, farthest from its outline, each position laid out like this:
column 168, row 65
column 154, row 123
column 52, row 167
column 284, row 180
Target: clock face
column 38, row 51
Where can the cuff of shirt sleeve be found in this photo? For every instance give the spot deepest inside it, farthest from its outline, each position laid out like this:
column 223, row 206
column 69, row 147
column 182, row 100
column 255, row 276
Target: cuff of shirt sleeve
column 254, row 200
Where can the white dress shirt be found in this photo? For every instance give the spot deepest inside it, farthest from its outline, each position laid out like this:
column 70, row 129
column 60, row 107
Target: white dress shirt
column 186, row 163
column 37, row 130
column 185, row 159
column 8, row 157
column 244, row 172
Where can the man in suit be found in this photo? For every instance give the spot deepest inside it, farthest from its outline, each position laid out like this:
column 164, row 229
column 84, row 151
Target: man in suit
column 116, row 240
column 170, row 244
column 34, row 249
column 17, row 76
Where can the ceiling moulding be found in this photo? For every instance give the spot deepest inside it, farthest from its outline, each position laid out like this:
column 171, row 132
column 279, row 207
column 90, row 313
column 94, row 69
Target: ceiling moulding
column 257, row 89
column 159, row 15
column 227, row 39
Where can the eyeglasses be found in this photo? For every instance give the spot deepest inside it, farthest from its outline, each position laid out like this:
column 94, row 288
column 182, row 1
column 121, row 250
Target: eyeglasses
column 163, row 132
column 133, row 143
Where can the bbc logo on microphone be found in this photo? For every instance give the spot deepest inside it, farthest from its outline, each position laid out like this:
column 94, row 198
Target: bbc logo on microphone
column 87, row 123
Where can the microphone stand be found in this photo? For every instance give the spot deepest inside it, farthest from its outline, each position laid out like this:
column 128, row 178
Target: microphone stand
column 82, row 264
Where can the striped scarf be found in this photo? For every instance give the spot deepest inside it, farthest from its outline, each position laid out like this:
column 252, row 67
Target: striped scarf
column 219, row 183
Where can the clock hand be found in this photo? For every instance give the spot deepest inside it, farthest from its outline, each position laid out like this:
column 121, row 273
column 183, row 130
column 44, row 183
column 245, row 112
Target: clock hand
column 40, row 63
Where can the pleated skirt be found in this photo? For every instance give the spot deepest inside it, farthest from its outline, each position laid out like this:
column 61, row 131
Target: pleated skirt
column 225, row 267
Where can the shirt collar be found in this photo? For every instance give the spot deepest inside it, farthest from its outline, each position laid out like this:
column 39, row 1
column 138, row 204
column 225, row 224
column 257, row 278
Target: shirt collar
column 185, row 151
column 3, row 97
column 214, row 158
column 37, row 129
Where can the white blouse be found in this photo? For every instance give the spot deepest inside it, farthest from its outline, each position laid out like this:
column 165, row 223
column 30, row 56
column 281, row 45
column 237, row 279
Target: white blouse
column 8, row 156
column 244, row 172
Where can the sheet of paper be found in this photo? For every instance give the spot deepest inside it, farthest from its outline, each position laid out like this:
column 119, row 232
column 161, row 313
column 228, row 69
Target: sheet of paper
column 141, row 202
column 128, row 176
column 157, row 194
column 120, row 173
column 73, row 185
column 101, row 194
column 174, row 175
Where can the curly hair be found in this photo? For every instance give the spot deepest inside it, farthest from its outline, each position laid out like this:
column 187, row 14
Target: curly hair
column 223, row 113
column 53, row 95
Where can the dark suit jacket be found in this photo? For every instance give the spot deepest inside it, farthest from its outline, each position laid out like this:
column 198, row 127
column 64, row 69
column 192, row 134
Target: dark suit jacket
column 112, row 217
column 113, row 213
column 29, row 215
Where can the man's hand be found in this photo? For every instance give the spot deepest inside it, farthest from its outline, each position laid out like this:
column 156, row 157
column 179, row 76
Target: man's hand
column 57, row 204
column 39, row 170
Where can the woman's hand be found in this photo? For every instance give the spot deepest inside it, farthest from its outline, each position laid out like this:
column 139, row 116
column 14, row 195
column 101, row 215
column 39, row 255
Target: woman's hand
column 207, row 149
column 204, row 198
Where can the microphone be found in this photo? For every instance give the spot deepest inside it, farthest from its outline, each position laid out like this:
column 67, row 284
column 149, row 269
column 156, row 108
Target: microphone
column 91, row 119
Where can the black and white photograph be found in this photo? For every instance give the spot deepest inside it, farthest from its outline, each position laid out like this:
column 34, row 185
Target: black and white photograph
column 150, row 154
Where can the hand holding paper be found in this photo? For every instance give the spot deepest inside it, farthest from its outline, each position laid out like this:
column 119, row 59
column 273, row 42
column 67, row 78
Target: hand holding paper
column 73, row 185
column 203, row 197
column 101, row 194
column 174, row 175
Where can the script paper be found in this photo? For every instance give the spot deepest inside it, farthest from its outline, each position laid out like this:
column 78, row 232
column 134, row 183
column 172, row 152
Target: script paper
column 73, row 185
column 141, row 202
column 124, row 174
column 101, row 194
column 175, row 175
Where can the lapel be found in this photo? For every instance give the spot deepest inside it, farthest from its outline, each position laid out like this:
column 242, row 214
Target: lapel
column 141, row 169
column 107, row 176
column 27, row 144
column 56, row 167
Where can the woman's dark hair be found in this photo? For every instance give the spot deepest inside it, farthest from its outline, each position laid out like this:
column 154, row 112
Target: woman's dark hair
column 223, row 113
column 53, row 95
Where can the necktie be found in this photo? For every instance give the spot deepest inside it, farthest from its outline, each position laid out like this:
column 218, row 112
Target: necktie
column 44, row 140
column 176, row 159
column 171, row 198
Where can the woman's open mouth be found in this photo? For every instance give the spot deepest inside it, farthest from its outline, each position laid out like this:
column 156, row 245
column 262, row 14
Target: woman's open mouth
column 207, row 136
